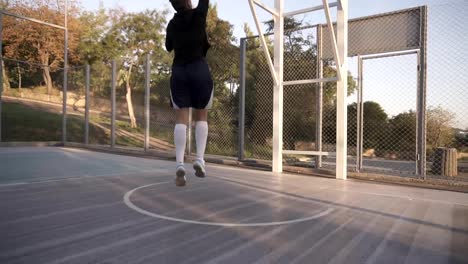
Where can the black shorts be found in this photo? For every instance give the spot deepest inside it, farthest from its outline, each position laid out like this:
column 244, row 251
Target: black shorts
column 191, row 86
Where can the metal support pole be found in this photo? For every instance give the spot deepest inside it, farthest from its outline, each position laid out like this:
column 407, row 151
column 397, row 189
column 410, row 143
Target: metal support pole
column 278, row 88
column 113, row 87
column 1, row 72
column 342, row 92
column 88, row 70
column 243, row 53
column 360, row 117
column 422, row 79
column 65, row 78
column 319, row 99
column 262, row 37
column 147, row 101
column 31, row 19
column 336, row 48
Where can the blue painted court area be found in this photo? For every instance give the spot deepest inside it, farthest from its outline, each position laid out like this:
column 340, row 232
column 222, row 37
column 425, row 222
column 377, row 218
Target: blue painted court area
column 62, row 205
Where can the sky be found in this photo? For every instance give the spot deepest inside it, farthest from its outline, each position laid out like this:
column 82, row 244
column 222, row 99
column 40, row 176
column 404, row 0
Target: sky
column 237, row 12
column 390, row 82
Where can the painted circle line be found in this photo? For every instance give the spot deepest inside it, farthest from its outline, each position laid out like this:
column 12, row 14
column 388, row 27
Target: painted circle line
column 131, row 205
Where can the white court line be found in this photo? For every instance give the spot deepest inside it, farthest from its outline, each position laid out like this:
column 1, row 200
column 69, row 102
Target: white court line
column 12, row 184
column 387, row 195
column 129, row 203
column 243, row 184
column 88, row 177
column 401, row 197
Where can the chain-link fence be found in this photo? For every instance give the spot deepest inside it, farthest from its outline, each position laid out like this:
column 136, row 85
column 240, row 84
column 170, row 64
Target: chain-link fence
column 129, row 103
column 389, row 120
column 447, row 96
column 396, row 104
column 258, row 103
column 32, row 102
column 305, row 115
column 162, row 117
column 223, row 117
column 406, row 103
column 76, row 104
column 300, row 115
column 100, row 104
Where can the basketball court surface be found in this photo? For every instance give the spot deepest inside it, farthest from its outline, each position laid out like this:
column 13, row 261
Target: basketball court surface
column 62, row 205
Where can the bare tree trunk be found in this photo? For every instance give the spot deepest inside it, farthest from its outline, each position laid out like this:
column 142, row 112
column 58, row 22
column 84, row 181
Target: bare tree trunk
column 128, row 96
column 47, row 79
column 19, row 77
column 6, row 81
column 46, row 73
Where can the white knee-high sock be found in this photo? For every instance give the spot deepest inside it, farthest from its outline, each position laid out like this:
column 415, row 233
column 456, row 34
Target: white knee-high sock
column 180, row 139
column 201, row 135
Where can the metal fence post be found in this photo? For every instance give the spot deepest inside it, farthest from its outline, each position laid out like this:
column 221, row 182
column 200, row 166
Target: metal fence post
column 319, row 100
column 147, row 101
column 65, row 78
column 87, row 104
column 243, row 52
column 360, row 117
column 422, row 79
column 113, row 87
column 1, row 72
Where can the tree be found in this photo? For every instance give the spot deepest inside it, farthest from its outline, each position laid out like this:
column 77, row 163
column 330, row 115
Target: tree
column 439, row 127
column 223, row 56
column 130, row 38
column 401, row 136
column 95, row 26
column 375, row 125
column 6, row 82
column 37, row 43
column 223, row 59
column 258, row 91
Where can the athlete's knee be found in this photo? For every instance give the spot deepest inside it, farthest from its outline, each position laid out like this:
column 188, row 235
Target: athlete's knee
column 182, row 116
column 201, row 114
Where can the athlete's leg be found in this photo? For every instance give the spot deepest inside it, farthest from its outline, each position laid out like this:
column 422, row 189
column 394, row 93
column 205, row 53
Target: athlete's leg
column 201, row 100
column 180, row 133
column 180, row 141
column 201, row 136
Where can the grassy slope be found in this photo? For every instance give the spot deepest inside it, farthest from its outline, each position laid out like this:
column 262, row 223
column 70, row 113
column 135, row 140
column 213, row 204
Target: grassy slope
column 22, row 123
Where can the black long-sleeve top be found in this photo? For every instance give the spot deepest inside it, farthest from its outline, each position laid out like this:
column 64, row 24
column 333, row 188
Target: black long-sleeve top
column 186, row 34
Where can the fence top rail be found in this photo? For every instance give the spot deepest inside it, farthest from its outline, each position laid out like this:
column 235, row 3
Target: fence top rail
column 310, row 9
column 6, row 13
column 350, row 20
column 389, row 54
column 35, row 64
column 285, row 31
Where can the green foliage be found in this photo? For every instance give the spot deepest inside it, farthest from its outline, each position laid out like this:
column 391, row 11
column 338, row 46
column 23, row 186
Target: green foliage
column 375, row 125
column 440, row 132
column 402, row 133
column 375, row 119
column 92, row 46
column 39, row 44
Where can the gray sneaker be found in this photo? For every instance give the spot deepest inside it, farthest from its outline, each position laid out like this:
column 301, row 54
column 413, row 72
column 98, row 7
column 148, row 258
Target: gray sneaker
column 180, row 176
column 199, row 167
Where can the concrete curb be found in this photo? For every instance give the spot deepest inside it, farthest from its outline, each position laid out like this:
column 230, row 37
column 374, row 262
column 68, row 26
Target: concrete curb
column 30, row 144
column 430, row 183
column 439, row 184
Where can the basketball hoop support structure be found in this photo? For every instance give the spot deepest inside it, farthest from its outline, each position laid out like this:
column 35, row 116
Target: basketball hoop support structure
column 340, row 52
